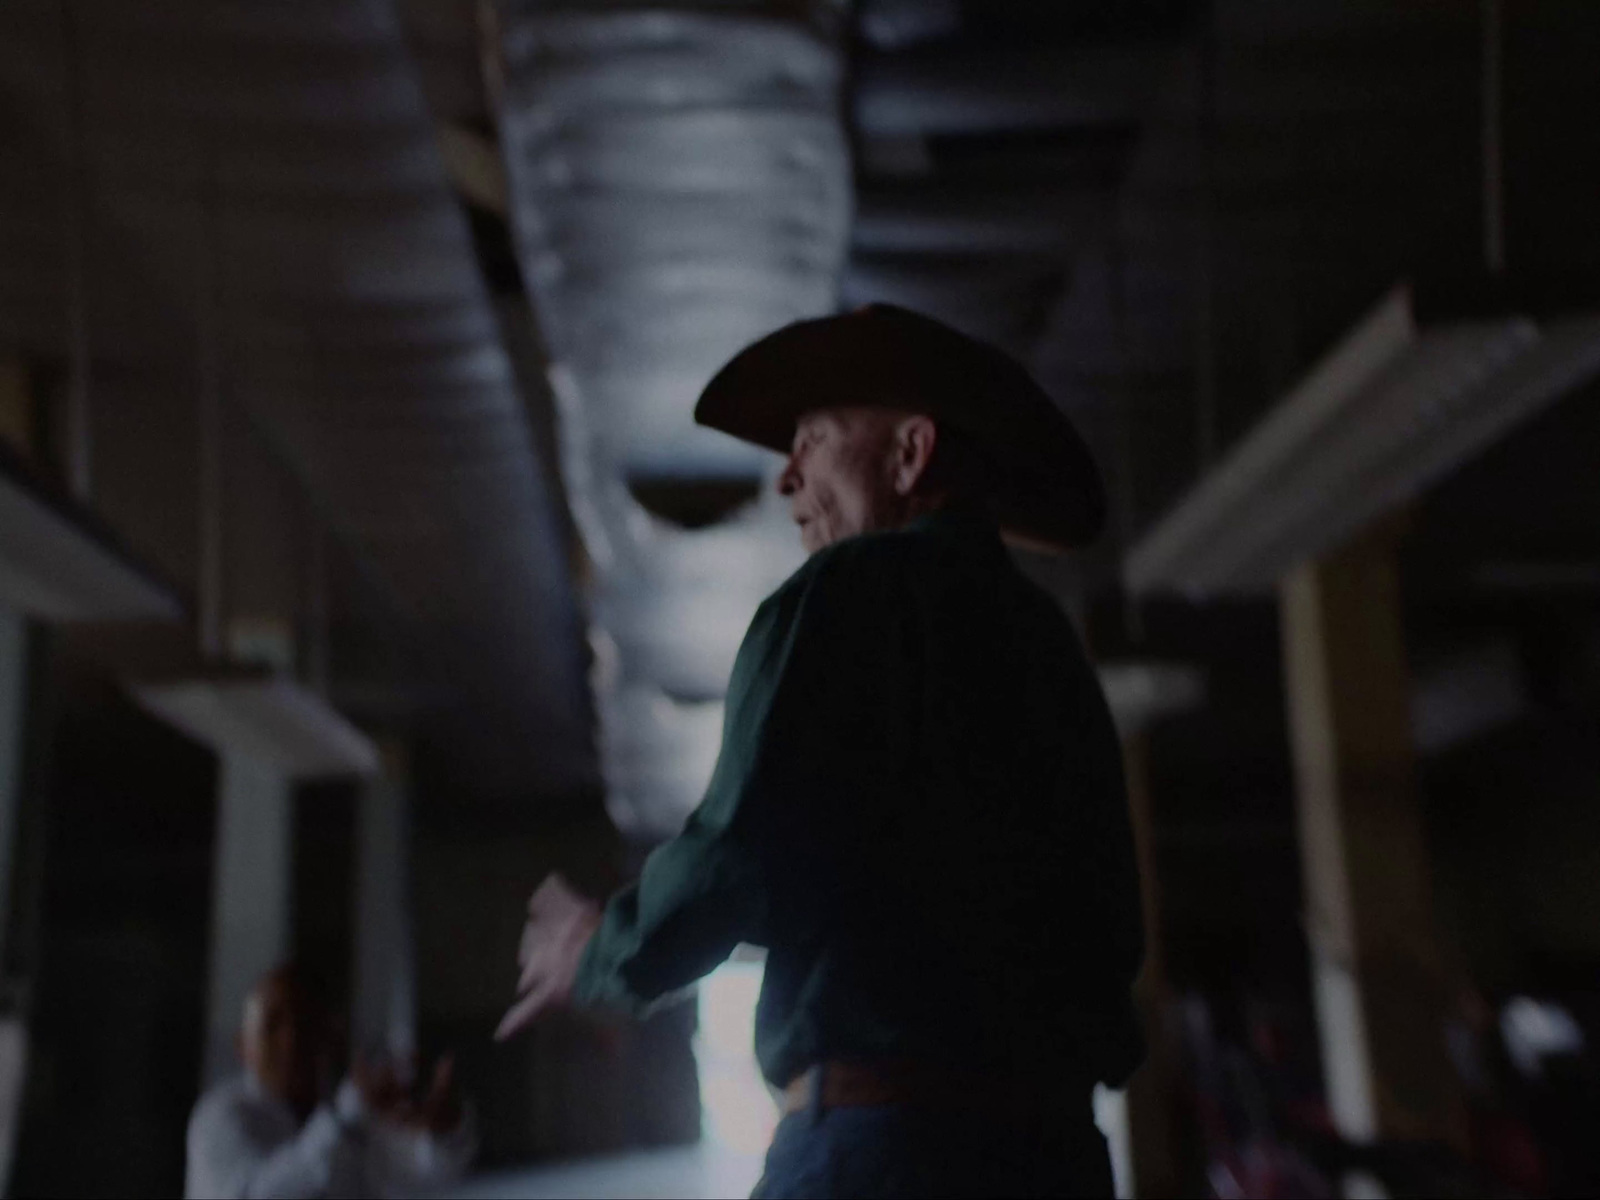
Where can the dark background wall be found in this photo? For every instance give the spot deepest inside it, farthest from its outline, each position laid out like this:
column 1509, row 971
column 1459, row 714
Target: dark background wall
column 128, row 822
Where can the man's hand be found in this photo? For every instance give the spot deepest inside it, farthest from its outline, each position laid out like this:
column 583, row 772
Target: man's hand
column 440, row 1110
column 381, row 1085
column 560, row 924
column 386, row 1090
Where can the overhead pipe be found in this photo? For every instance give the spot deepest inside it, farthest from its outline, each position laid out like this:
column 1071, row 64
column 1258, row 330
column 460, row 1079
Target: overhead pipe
column 679, row 186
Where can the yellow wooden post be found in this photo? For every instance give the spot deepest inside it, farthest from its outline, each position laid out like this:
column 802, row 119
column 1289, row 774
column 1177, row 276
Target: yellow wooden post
column 1377, row 972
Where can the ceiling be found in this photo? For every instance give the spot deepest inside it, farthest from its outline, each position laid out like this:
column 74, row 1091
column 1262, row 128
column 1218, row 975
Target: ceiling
column 467, row 265
column 261, row 190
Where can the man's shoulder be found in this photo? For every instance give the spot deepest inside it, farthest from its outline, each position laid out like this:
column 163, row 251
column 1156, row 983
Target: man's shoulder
column 231, row 1102
column 879, row 556
column 220, row 1102
column 852, row 577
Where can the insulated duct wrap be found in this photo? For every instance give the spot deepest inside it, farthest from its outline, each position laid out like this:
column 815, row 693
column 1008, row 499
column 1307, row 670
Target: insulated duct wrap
column 680, row 187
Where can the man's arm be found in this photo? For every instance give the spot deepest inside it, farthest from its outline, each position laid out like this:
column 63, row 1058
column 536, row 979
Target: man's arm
column 698, row 896
column 231, row 1155
column 810, row 737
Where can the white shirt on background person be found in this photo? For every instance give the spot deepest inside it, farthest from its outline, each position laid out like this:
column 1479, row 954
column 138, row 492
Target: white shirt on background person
column 245, row 1142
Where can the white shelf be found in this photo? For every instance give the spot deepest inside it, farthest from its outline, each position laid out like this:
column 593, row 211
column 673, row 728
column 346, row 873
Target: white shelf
column 270, row 718
column 54, row 566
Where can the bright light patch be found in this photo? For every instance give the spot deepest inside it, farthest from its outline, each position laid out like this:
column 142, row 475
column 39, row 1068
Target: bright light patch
column 1534, row 1030
column 737, row 1110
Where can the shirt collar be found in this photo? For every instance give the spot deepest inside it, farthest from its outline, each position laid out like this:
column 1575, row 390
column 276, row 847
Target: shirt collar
column 956, row 519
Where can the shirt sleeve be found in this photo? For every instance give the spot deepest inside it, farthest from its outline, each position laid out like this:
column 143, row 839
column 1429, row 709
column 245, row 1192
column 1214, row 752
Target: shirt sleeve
column 232, row 1155
column 812, row 733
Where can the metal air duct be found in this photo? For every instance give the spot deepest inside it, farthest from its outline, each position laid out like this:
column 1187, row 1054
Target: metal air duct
column 680, row 186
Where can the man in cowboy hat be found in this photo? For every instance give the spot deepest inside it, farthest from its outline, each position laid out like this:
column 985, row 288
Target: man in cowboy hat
column 918, row 808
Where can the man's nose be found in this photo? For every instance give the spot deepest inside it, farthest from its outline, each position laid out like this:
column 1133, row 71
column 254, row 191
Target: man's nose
column 788, row 479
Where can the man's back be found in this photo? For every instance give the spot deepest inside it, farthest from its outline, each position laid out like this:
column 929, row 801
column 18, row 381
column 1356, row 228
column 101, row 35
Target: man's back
column 971, row 894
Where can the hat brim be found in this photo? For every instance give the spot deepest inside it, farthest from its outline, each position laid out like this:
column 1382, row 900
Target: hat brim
column 1048, row 492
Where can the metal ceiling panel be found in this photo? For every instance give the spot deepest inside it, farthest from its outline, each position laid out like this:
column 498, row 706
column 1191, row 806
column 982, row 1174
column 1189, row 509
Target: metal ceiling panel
column 1394, row 406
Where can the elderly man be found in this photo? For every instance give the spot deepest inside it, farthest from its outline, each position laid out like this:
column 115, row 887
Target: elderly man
column 918, row 809
column 263, row 1133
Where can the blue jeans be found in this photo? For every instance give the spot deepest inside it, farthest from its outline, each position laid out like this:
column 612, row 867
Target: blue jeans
column 894, row 1151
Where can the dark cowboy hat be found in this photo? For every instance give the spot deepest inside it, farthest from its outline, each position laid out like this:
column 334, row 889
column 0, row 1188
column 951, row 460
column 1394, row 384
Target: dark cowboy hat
column 1047, row 489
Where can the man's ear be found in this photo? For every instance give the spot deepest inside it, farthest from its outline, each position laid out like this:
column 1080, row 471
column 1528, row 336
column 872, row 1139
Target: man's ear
column 913, row 451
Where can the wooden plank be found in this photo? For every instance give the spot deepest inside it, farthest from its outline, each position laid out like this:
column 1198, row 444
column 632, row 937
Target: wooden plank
column 1377, row 974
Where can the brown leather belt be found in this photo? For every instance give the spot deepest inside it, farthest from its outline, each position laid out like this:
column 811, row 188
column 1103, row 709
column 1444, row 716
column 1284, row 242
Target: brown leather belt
column 922, row 1085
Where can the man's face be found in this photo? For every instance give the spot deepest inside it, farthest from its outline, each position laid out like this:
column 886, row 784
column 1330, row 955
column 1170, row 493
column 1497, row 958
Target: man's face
column 840, row 477
column 278, row 1040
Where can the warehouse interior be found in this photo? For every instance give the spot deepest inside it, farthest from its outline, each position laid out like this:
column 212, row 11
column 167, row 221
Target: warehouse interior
column 361, row 563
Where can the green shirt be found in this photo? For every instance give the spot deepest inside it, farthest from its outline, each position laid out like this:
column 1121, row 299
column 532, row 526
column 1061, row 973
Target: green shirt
column 919, row 811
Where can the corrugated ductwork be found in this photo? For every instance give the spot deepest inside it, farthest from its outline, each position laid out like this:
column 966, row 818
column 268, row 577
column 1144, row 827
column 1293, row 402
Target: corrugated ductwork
column 681, row 186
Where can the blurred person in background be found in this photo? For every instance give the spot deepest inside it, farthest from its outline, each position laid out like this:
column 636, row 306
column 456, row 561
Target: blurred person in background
column 271, row 1132
column 1555, row 1083
column 918, row 808
column 1503, row 1146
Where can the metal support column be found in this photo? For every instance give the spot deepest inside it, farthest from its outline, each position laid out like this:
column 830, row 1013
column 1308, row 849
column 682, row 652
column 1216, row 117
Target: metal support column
column 251, row 895
column 384, row 1005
